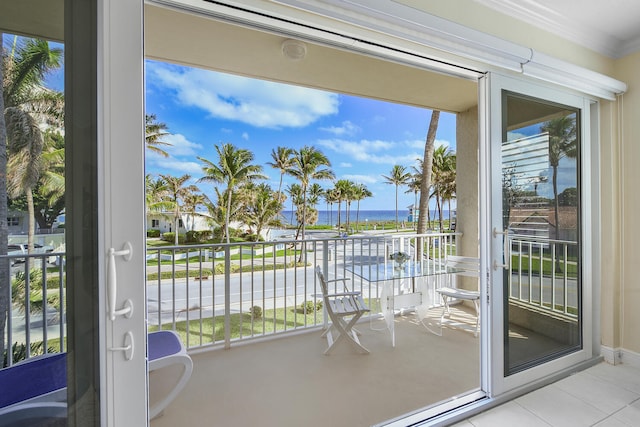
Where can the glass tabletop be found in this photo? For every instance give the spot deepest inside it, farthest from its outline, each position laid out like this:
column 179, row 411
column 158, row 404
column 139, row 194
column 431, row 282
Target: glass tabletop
column 391, row 270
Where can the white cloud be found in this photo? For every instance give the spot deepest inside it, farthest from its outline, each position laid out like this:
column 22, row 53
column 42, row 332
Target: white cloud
column 245, row 136
column 345, row 165
column 179, row 166
column 379, row 152
column 255, row 102
column 180, row 146
column 347, row 129
column 419, row 143
column 365, row 179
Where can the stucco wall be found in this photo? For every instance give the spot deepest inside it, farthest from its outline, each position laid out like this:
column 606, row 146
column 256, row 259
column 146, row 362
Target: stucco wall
column 467, row 181
column 626, row 69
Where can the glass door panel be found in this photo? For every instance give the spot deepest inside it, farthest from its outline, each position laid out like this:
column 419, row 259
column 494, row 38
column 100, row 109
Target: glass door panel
column 538, row 157
column 541, row 221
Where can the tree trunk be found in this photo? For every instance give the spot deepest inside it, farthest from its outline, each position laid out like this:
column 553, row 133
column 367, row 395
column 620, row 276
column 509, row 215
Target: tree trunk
column 427, row 164
column 227, row 217
column 4, row 262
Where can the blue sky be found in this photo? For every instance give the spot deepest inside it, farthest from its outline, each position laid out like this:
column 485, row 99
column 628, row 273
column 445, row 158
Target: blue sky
column 363, row 138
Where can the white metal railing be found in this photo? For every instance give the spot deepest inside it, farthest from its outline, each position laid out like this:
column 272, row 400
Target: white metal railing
column 36, row 318
column 217, row 295
column 543, row 273
column 266, row 288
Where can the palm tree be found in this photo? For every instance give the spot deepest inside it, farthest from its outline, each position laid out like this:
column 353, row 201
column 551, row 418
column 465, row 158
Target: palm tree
column 191, row 203
column 398, row 176
column 295, row 194
column 360, row 192
column 176, row 193
column 282, row 160
column 562, row 143
column 341, row 191
column 443, row 171
column 263, row 208
column 27, row 104
column 308, row 165
column 154, row 131
column 414, row 187
column 233, row 169
column 427, row 166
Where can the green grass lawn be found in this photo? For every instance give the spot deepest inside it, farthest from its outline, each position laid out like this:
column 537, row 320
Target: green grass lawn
column 243, row 325
column 547, row 266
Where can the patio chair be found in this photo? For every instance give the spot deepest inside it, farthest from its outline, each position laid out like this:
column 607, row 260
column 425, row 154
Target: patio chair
column 166, row 349
column 344, row 310
column 464, row 266
column 35, row 390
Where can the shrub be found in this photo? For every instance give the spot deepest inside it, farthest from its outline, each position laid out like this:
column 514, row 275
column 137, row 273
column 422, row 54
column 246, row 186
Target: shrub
column 152, row 232
column 256, row 312
column 170, row 237
column 311, row 306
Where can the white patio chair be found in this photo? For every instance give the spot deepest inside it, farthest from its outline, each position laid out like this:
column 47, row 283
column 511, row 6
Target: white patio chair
column 166, row 350
column 464, row 266
column 344, row 309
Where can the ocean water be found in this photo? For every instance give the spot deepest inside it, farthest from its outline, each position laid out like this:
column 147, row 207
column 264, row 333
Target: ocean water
column 366, row 216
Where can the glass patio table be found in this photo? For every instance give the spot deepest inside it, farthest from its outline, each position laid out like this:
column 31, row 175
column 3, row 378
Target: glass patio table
column 399, row 290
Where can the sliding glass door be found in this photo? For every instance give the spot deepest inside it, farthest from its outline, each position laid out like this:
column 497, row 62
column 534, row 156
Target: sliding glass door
column 539, row 176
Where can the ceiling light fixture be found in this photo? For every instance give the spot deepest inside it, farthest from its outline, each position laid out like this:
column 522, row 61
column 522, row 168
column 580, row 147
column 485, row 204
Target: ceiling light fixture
column 295, row 50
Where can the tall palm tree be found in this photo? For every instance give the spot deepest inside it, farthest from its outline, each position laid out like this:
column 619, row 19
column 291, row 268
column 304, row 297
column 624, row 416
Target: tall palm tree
column 234, row 168
column 443, row 171
column 360, row 192
column 398, row 176
column 427, row 165
column 414, row 187
column 341, row 191
column 309, row 164
column 295, row 194
column 177, row 191
column 282, row 160
column 562, row 143
column 27, row 104
column 154, row 131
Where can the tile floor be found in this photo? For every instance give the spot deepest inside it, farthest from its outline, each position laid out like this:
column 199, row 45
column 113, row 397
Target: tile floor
column 601, row 396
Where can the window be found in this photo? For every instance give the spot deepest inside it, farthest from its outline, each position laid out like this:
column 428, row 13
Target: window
column 13, row 221
column 155, row 223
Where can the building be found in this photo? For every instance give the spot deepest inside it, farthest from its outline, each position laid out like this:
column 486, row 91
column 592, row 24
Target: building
column 461, row 56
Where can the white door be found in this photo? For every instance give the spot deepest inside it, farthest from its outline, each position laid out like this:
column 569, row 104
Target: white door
column 121, row 207
column 536, row 217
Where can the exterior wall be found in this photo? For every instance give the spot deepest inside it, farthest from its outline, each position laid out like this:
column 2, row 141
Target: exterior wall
column 629, row 202
column 610, row 227
column 467, row 181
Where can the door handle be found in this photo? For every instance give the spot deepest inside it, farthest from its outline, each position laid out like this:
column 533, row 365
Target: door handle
column 505, row 248
column 128, row 347
column 112, row 283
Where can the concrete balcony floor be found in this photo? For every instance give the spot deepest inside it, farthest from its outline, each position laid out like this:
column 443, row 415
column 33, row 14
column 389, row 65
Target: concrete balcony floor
column 289, row 382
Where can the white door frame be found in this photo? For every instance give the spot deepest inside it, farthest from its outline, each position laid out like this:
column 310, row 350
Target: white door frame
column 120, row 112
column 491, row 213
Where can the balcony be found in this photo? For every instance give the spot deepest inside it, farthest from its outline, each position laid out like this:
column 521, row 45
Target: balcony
column 249, row 315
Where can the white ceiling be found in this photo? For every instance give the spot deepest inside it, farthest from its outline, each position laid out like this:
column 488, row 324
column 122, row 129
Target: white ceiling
column 610, row 27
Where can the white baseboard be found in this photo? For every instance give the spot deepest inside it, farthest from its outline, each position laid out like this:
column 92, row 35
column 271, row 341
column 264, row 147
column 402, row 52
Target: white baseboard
column 616, row 356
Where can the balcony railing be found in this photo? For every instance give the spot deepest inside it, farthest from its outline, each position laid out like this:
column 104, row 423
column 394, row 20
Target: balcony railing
column 224, row 293
column 218, row 295
column 544, row 274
